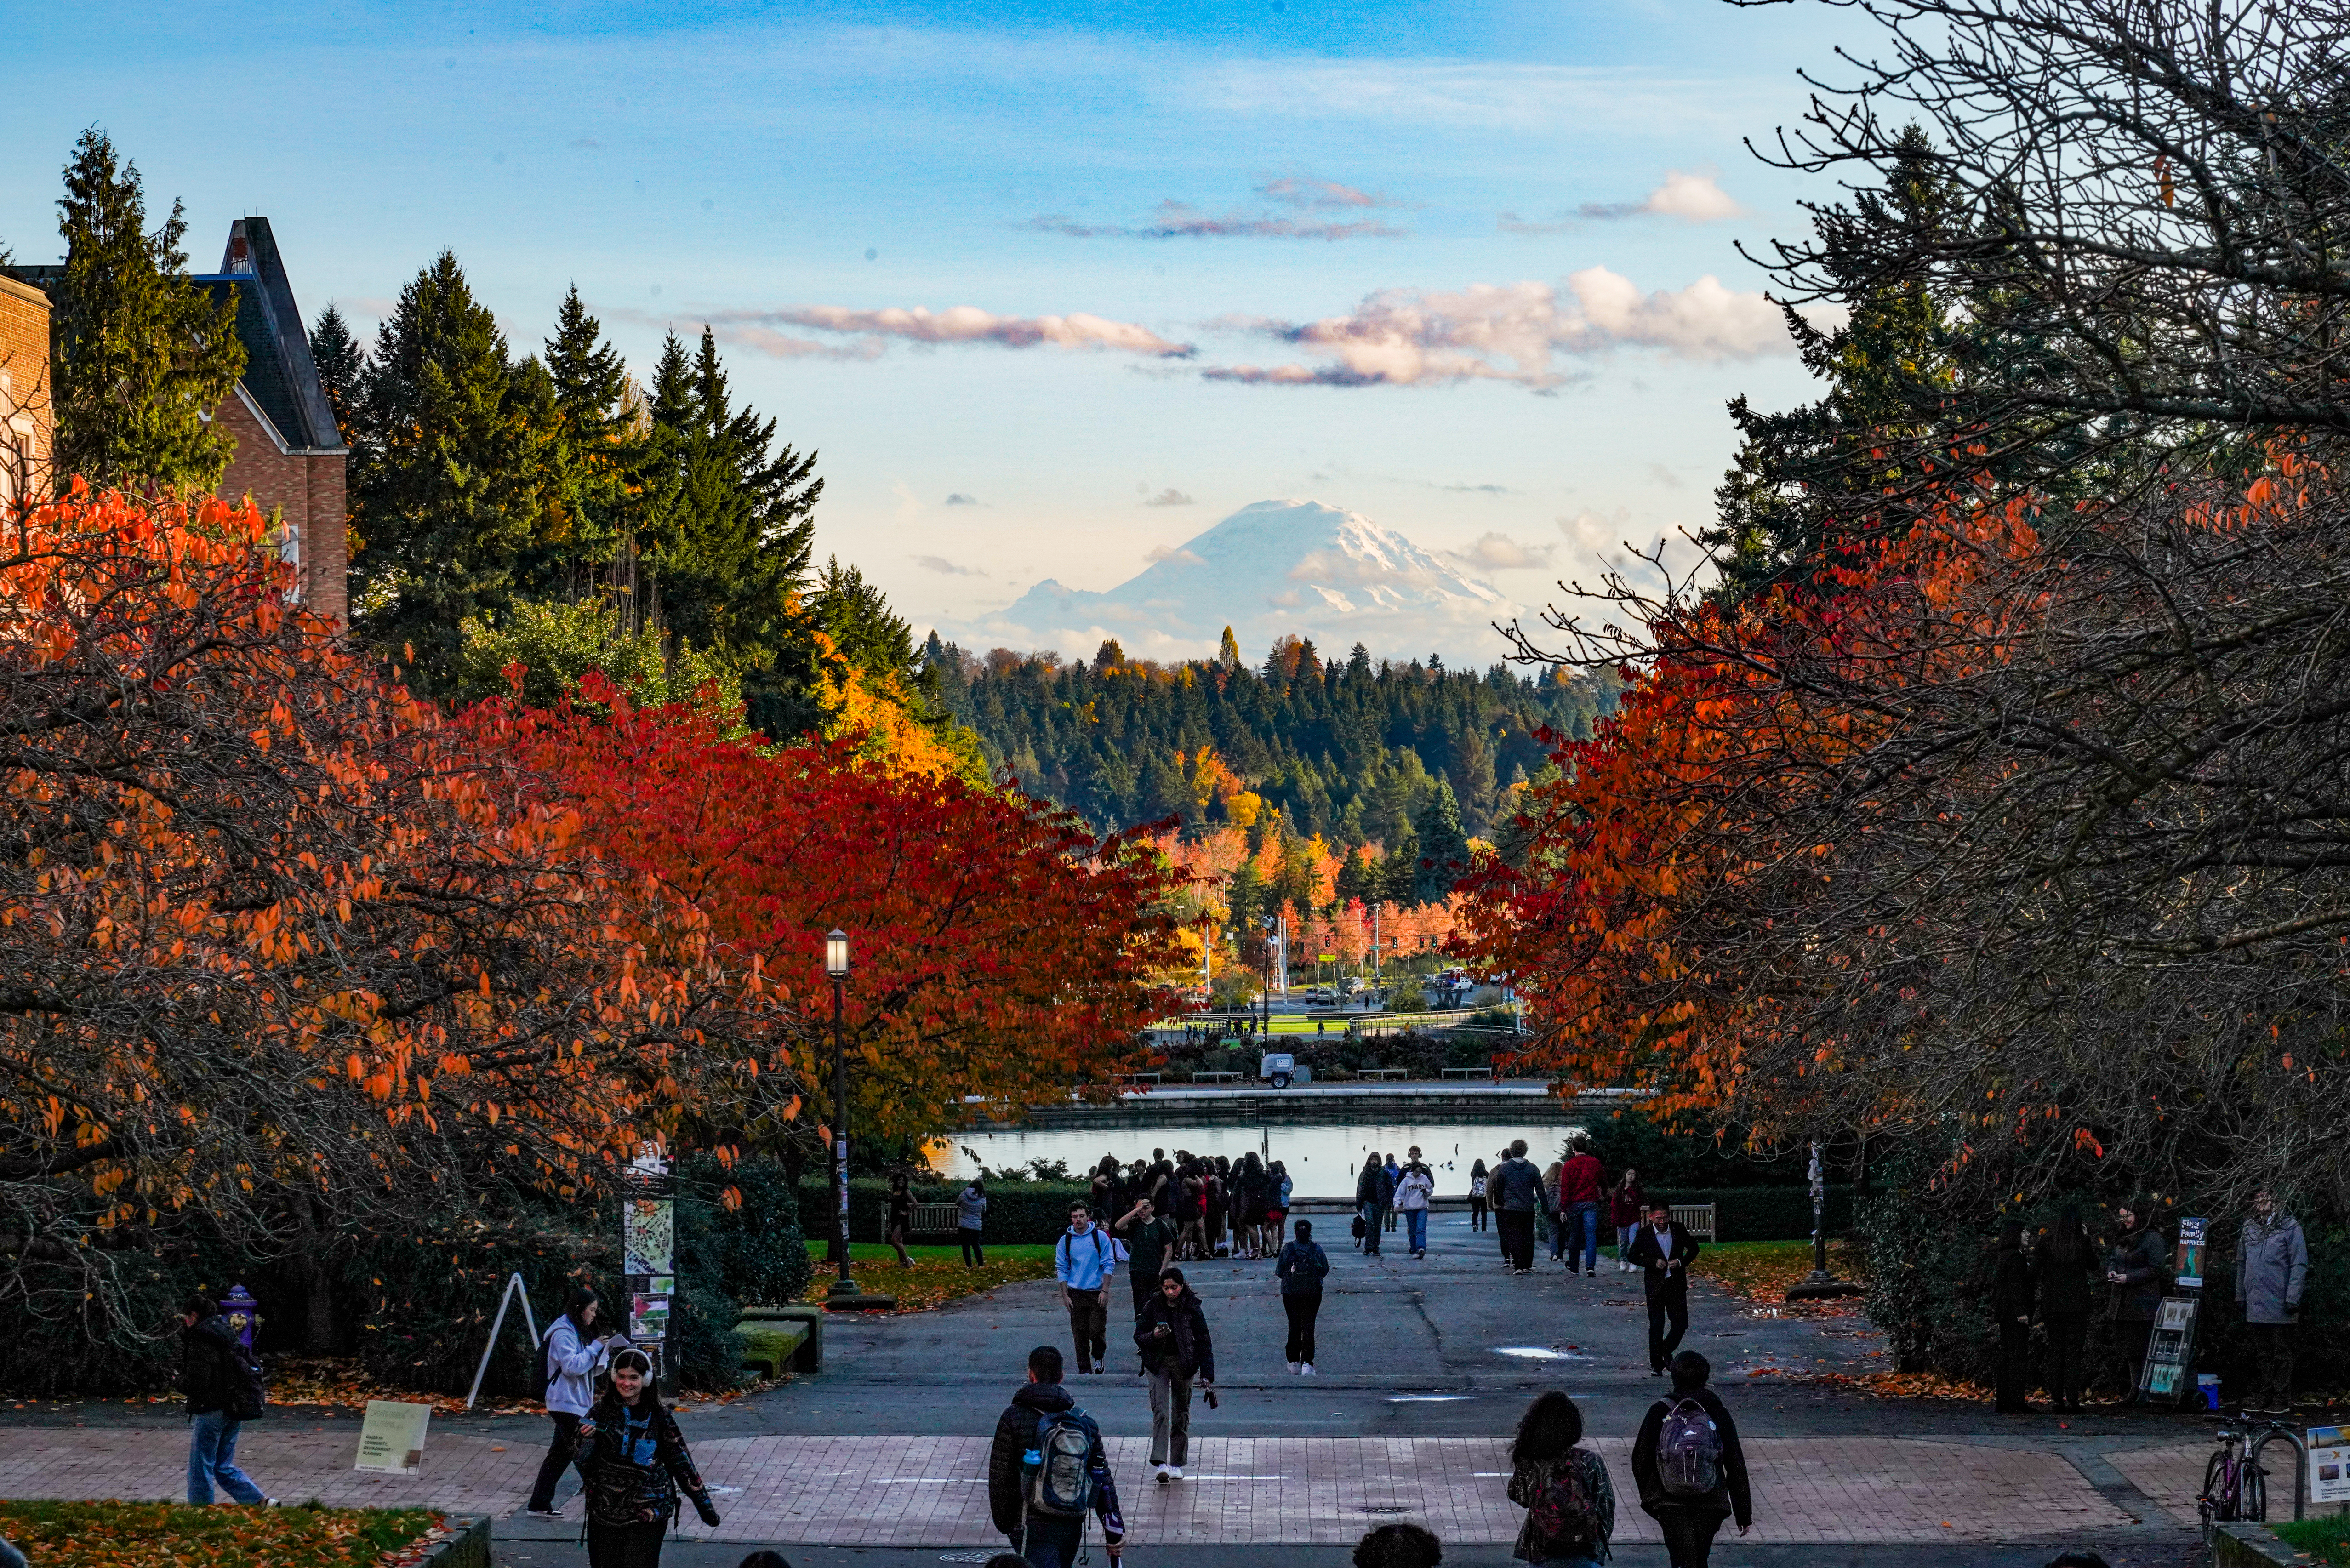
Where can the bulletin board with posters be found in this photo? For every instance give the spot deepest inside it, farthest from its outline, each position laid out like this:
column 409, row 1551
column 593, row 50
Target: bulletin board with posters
column 2187, row 1269
column 649, row 1248
column 2329, row 1464
column 2170, row 1369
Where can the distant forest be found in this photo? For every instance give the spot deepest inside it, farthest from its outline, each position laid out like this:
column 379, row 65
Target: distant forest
column 1346, row 749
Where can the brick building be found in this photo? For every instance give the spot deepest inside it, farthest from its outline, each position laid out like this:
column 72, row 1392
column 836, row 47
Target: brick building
column 25, row 412
column 290, row 456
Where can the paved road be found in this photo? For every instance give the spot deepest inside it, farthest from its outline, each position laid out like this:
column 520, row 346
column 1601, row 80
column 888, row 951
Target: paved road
column 1425, row 1367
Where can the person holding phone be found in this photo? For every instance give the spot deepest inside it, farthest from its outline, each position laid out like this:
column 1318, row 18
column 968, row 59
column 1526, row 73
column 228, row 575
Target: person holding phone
column 1172, row 1334
column 636, row 1463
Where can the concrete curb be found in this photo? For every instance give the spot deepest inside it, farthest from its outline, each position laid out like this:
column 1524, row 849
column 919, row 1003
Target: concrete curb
column 468, row 1548
column 2250, row 1546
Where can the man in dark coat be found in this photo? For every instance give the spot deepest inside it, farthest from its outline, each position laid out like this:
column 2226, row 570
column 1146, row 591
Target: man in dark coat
column 1171, row 1332
column 1518, row 1196
column 1663, row 1251
column 1688, row 1520
column 1045, row 1541
column 1374, row 1191
column 2011, row 1308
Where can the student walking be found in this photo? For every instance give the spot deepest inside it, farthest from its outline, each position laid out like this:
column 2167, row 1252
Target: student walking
column 1581, row 1187
column 2066, row 1262
column 2138, row 1270
column 901, row 1217
column 1395, row 1174
column 1412, row 1193
column 1150, row 1241
column 1570, row 1504
column 971, row 1215
column 1477, row 1206
column 1553, row 1216
column 2011, row 1308
column 2273, row 1267
column 1688, row 1466
column 1518, row 1197
column 1374, row 1191
column 573, row 1354
column 1663, row 1251
column 219, row 1383
column 1172, row 1334
column 1046, row 1470
column 1624, row 1208
column 635, row 1463
column 1301, row 1267
column 1083, row 1261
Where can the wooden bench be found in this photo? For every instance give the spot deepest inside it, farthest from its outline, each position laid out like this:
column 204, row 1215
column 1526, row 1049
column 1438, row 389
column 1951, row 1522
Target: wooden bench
column 1116, row 1078
column 1468, row 1072
column 930, row 1220
column 1215, row 1077
column 1380, row 1073
column 1697, row 1219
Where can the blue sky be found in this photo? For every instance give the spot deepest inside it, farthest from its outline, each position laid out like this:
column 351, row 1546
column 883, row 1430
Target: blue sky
column 1440, row 266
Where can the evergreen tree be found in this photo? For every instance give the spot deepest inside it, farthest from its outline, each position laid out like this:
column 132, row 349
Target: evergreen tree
column 142, row 356
column 857, row 616
column 342, row 364
column 450, row 483
column 1400, row 871
column 1444, row 845
column 591, row 380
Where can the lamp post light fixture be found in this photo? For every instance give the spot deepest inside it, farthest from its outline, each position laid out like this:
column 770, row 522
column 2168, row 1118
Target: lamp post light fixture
column 1821, row 1283
column 844, row 1295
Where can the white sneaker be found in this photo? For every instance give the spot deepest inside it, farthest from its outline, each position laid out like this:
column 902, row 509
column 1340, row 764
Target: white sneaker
column 1165, row 1475
column 1293, row 1367
column 1306, row 1369
column 1176, row 1471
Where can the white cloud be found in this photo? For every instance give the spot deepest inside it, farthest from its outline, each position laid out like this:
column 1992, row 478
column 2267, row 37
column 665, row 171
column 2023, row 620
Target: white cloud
column 958, row 324
column 945, row 567
column 960, row 499
column 1170, row 497
column 1516, row 332
column 1498, row 552
column 1693, row 198
column 1157, row 553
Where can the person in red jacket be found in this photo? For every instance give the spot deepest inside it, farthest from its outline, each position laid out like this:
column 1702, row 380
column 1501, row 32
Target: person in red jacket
column 1581, row 1185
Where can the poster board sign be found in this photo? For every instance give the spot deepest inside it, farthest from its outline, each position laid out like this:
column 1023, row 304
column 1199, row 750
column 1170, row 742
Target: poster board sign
column 2329, row 1464
column 649, row 1316
column 2187, row 1269
column 391, row 1437
column 2170, row 1352
column 650, row 1234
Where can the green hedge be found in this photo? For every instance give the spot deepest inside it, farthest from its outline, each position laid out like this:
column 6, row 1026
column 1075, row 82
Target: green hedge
column 1017, row 1211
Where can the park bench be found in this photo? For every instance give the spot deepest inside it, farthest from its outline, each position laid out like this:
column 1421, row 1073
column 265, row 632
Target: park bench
column 1134, row 1078
column 1215, row 1077
column 1380, row 1073
column 1697, row 1219
column 1468, row 1072
column 930, row 1220
column 780, row 1339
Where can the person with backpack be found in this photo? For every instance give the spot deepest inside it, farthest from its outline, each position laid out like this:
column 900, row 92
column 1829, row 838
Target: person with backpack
column 1172, row 1334
column 971, row 1216
column 1663, row 1251
column 225, row 1390
column 1570, row 1504
column 2066, row 1261
column 1301, row 1267
column 1518, row 1197
column 1047, row 1468
column 1412, row 1193
column 1624, row 1208
column 1374, row 1191
column 1688, row 1466
column 1083, row 1261
column 635, row 1462
column 1398, row 1546
column 2011, row 1308
column 568, row 1367
column 1477, row 1205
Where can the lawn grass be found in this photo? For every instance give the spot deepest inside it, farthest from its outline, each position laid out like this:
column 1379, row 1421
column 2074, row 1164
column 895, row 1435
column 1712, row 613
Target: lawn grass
column 2326, row 1540
column 174, row 1535
column 938, row 1275
column 1761, row 1270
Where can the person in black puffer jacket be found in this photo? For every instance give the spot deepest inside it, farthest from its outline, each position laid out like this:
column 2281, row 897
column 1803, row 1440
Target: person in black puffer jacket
column 212, row 1368
column 635, row 1462
column 2138, row 1269
column 1172, row 1333
column 1049, row 1540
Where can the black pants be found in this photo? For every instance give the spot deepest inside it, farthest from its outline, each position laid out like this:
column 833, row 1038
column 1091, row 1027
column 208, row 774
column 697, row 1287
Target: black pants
column 2068, row 1331
column 1089, row 1325
column 1146, row 1285
column 625, row 1545
column 1476, row 1214
column 2273, row 1346
column 973, row 1254
column 1517, row 1227
column 1669, row 1302
column 2130, row 1338
column 1689, row 1534
column 1374, row 1219
column 1301, row 1310
column 558, row 1455
column 2015, row 1363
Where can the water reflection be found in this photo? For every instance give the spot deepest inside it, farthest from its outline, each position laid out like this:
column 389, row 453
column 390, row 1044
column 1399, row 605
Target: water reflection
column 1322, row 1159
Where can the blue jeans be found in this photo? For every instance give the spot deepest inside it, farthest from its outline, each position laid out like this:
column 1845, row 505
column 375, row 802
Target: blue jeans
column 1583, row 1220
column 1374, row 1215
column 1417, row 1219
column 211, row 1456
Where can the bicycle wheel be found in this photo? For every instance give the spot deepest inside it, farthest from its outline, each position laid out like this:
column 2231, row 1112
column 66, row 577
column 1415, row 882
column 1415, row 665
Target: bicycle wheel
column 2253, row 1504
column 2218, row 1494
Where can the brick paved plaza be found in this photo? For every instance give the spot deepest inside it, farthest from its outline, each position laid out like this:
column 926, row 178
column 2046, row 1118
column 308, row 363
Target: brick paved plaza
column 1427, row 1365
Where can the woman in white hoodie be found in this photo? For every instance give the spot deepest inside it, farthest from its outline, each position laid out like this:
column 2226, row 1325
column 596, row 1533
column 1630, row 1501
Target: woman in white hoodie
column 572, row 1357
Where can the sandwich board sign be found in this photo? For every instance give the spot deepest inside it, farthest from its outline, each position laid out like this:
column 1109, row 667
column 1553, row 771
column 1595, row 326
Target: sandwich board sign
column 391, row 1437
column 2170, row 1349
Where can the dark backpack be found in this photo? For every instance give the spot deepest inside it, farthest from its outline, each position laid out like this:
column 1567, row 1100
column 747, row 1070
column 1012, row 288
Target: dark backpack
column 1689, row 1451
column 1359, row 1226
column 1565, row 1514
column 245, row 1393
column 1063, row 1485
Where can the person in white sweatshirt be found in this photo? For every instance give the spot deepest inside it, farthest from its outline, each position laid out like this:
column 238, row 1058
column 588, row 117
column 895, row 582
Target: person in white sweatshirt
column 1413, row 1188
column 573, row 1355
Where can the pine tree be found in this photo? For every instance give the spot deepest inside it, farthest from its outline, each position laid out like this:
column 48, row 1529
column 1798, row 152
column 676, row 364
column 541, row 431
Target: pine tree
column 342, row 364
column 857, row 616
column 1400, row 870
column 591, row 380
column 1444, row 845
column 142, row 355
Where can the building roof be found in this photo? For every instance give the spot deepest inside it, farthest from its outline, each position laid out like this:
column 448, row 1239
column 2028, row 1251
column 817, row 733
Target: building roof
column 279, row 374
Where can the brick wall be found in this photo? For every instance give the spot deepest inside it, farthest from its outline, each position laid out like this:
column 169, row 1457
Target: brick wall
column 307, row 487
column 25, row 371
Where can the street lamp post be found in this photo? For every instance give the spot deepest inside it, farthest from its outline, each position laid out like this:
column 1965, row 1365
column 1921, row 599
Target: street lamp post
column 844, row 1295
column 1820, row 1284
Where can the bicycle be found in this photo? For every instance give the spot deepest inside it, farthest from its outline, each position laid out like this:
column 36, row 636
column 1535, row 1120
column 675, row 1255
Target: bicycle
column 2235, row 1487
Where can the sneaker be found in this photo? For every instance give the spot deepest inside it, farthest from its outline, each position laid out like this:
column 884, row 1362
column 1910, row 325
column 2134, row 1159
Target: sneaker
column 1293, row 1367
column 545, row 1513
column 1590, row 1274
column 1165, row 1477
column 1176, row 1471
column 1306, row 1370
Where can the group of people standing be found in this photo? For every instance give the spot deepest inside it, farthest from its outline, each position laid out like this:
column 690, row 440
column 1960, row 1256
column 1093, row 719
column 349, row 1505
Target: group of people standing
column 1219, row 1207
column 2052, row 1274
column 1573, row 1198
